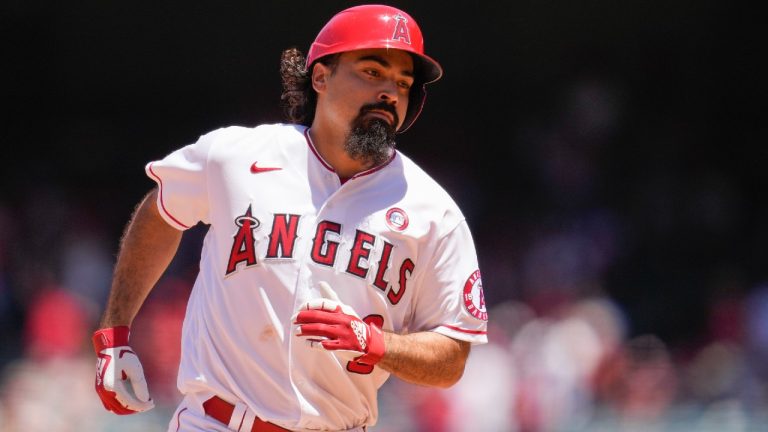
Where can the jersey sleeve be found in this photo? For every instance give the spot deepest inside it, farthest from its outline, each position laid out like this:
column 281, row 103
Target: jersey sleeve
column 181, row 178
column 450, row 297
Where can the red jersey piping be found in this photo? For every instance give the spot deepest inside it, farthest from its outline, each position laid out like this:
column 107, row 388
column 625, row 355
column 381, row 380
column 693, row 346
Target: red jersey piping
column 162, row 204
column 459, row 329
column 317, row 154
column 330, row 168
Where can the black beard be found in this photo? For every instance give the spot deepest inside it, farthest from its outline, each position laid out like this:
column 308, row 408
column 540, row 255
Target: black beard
column 372, row 139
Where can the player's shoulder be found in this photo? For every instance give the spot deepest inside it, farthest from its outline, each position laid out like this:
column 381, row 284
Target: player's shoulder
column 263, row 131
column 422, row 183
column 232, row 141
column 424, row 192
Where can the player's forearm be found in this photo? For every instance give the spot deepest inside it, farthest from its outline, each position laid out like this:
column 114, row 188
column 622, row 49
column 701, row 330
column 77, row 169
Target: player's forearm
column 146, row 250
column 425, row 358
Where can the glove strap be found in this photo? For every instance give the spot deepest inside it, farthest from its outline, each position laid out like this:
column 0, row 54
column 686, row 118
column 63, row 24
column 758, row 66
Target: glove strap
column 375, row 347
column 110, row 337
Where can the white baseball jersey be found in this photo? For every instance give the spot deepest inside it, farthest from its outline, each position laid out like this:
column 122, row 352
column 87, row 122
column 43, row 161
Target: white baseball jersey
column 390, row 241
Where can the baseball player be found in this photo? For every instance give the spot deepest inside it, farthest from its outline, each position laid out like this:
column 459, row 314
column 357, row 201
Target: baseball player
column 331, row 260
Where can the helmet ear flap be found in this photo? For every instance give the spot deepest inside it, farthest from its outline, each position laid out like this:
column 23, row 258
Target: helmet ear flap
column 416, row 100
column 418, row 95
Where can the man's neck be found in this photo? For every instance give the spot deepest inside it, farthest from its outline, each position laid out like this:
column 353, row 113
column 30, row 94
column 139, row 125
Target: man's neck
column 330, row 145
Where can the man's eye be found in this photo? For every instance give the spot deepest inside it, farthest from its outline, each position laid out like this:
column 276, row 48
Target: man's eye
column 372, row 72
column 405, row 85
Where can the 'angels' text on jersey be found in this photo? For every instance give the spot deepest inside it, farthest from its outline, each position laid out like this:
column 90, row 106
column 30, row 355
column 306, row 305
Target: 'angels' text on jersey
column 282, row 241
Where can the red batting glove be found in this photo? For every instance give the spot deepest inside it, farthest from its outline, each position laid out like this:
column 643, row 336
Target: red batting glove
column 328, row 324
column 118, row 366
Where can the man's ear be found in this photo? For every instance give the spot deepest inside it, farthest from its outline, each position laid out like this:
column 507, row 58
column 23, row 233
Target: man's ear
column 320, row 74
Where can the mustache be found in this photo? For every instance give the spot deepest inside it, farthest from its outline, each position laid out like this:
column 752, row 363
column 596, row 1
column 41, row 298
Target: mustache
column 381, row 106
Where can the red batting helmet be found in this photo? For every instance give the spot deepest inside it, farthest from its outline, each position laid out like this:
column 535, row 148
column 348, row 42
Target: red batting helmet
column 379, row 26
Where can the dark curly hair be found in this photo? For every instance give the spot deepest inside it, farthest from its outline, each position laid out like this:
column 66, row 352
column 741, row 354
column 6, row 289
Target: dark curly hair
column 299, row 99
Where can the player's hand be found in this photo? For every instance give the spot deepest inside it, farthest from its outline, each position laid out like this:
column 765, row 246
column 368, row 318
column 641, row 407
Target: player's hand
column 120, row 379
column 327, row 323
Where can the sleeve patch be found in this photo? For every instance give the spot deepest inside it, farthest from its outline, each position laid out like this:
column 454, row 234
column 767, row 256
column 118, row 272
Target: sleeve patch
column 474, row 300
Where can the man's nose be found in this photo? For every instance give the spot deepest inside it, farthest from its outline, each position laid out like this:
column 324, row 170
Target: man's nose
column 389, row 93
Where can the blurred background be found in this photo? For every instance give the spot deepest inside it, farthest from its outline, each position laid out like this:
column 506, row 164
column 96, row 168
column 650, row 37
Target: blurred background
column 607, row 156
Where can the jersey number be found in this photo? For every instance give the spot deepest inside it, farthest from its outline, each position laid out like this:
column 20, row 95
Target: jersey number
column 362, row 368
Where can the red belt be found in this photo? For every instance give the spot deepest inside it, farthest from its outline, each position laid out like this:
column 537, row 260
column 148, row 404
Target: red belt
column 222, row 410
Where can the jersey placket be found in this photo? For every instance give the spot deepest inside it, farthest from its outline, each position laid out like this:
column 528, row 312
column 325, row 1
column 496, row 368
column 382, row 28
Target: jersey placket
column 323, row 179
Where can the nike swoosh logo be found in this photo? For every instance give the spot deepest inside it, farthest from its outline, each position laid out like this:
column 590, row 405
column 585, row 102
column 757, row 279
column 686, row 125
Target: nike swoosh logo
column 257, row 169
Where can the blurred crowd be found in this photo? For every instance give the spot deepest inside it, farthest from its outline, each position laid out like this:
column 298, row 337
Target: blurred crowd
column 568, row 351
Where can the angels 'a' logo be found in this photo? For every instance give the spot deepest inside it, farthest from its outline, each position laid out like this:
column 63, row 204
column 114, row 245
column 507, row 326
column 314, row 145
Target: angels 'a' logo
column 474, row 300
column 243, row 249
column 401, row 30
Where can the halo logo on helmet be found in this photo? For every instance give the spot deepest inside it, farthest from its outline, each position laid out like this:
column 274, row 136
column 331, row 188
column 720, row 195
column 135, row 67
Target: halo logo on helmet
column 379, row 26
column 401, row 30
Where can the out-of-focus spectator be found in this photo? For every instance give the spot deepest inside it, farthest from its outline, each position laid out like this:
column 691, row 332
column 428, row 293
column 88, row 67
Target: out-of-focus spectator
column 51, row 387
column 53, row 394
column 157, row 337
column 639, row 383
column 486, row 396
column 556, row 357
column 86, row 269
column 757, row 324
column 55, row 325
column 566, row 263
